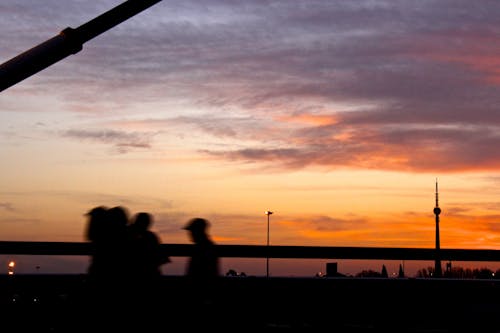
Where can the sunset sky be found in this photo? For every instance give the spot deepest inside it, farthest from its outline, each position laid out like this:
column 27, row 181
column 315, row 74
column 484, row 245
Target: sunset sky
column 338, row 116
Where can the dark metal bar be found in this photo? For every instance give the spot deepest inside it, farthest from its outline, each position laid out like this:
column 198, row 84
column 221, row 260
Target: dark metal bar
column 112, row 18
column 261, row 251
column 68, row 41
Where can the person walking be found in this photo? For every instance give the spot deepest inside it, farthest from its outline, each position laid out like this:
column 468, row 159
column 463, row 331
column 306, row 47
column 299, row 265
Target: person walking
column 204, row 262
column 202, row 272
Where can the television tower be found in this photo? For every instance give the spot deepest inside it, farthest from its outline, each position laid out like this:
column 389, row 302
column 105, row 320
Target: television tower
column 437, row 211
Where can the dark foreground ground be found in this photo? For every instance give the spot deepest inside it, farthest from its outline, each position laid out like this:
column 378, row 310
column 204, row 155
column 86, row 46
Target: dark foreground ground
column 70, row 303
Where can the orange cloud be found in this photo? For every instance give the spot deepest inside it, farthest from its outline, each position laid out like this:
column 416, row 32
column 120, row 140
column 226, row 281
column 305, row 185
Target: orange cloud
column 310, row 119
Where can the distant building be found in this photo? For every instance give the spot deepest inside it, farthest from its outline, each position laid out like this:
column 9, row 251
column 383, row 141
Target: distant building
column 331, row 270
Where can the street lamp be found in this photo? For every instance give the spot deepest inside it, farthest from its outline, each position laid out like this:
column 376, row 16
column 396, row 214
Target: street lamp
column 268, row 213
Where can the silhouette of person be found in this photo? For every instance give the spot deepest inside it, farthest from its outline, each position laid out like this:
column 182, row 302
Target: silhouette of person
column 107, row 232
column 95, row 233
column 202, row 272
column 204, row 262
column 147, row 256
column 115, row 246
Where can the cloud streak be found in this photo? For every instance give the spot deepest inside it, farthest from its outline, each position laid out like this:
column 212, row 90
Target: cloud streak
column 7, row 206
column 121, row 140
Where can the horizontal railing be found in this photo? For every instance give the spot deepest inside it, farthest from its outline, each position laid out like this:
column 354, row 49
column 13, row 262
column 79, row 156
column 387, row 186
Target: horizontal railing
column 272, row 251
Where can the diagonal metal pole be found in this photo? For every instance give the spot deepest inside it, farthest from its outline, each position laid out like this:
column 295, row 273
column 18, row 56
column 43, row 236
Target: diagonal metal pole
column 69, row 41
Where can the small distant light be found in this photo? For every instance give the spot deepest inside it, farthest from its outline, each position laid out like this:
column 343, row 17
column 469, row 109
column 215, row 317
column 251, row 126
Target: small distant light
column 11, row 266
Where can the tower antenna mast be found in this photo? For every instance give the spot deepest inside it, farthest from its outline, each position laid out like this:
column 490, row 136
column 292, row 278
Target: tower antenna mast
column 437, row 211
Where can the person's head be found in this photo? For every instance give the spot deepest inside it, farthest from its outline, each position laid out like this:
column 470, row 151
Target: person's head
column 97, row 217
column 118, row 219
column 143, row 221
column 97, row 213
column 197, row 228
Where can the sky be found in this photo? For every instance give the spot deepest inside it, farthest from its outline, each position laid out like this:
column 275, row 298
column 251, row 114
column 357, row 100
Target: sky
column 338, row 116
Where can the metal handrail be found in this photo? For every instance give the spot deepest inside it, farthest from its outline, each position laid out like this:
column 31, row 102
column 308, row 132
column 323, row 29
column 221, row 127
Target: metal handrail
column 273, row 251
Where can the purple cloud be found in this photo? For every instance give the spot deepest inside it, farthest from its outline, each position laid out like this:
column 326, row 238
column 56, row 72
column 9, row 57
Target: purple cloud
column 123, row 141
column 410, row 85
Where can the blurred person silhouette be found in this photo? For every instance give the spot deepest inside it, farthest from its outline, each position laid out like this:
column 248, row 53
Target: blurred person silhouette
column 95, row 234
column 146, row 259
column 107, row 233
column 147, row 255
column 204, row 262
column 202, row 272
column 116, row 241
column 108, row 270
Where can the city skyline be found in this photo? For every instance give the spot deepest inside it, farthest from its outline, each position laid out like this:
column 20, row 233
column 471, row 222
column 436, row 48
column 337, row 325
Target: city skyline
column 337, row 117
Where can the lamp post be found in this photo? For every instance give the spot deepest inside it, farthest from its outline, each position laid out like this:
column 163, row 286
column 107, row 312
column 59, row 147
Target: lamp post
column 268, row 213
